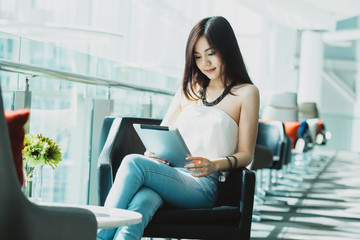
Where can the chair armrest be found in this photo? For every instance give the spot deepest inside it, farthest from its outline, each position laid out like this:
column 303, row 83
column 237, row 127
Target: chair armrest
column 238, row 191
column 104, row 182
column 246, row 201
column 263, row 158
column 61, row 223
column 105, row 175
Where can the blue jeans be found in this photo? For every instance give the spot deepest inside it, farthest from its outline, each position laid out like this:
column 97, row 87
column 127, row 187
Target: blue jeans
column 144, row 185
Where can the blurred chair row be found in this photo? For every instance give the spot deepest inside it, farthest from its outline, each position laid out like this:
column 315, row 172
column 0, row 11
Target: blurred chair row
column 284, row 106
column 21, row 219
column 290, row 141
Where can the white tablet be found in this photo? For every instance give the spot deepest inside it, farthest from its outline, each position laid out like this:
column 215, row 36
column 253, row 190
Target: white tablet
column 164, row 142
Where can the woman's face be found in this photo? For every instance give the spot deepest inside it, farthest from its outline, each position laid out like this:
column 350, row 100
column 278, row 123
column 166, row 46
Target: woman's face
column 207, row 59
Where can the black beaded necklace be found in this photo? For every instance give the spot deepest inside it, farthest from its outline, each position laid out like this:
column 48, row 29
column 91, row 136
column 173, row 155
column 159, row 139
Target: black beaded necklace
column 216, row 101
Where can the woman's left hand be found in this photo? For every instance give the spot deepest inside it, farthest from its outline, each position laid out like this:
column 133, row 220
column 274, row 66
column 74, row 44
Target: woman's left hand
column 200, row 166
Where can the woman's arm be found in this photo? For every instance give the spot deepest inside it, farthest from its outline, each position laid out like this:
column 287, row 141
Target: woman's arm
column 173, row 110
column 248, row 125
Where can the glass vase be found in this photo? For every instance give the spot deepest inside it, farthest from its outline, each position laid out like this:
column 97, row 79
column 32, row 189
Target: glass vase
column 37, row 183
column 28, row 181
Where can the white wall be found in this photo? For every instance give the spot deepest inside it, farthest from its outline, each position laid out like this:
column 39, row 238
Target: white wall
column 278, row 63
column 356, row 110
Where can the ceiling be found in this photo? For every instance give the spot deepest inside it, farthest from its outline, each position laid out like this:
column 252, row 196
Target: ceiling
column 305, row 14
column 299, row 14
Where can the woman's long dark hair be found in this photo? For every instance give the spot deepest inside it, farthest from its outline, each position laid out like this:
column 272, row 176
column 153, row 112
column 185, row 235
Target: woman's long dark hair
column 221, row 37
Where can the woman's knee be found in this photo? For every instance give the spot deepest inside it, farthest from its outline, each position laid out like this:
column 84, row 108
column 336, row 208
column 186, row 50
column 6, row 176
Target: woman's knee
column 133, row 163
column 130, row 158
column 129, row 161
column 137, row 160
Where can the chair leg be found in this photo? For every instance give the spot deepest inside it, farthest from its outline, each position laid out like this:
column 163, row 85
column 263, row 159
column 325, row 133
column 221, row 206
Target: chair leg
column 286, row 179
column 256, row 217
column 270, row 192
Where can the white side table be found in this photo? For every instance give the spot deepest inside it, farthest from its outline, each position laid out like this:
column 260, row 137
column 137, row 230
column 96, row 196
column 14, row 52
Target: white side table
column 105, row 217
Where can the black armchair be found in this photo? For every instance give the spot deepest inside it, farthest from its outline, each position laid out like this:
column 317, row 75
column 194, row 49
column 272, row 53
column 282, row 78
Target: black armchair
column 230, row 218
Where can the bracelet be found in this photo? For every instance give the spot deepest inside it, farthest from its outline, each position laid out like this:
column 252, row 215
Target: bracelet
column 236, row 161
column 229, row 161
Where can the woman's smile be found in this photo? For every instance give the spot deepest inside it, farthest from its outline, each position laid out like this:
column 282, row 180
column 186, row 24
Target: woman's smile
column 211, row 70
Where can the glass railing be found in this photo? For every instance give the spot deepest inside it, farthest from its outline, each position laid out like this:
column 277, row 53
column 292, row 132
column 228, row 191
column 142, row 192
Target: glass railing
column 64, row 85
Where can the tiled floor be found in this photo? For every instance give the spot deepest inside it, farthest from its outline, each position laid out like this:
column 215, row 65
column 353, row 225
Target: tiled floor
column 326, row 205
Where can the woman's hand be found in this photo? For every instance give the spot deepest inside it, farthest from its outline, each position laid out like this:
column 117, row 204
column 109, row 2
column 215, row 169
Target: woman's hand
column 151, row 155
column 200, row 166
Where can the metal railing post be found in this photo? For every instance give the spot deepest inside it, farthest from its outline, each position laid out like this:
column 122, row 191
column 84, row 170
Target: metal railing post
column 101, row 109
column 22, row 99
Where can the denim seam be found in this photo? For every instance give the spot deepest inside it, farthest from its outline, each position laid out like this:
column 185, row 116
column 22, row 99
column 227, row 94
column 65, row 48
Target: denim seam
column 162, row 174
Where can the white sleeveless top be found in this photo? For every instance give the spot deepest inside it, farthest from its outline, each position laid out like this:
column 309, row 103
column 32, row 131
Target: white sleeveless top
column 208, row 131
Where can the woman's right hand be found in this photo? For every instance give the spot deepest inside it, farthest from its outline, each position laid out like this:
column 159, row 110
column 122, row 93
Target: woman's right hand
column 151, row 155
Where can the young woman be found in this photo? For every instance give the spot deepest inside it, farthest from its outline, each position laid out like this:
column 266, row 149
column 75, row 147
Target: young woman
column 216, row 111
